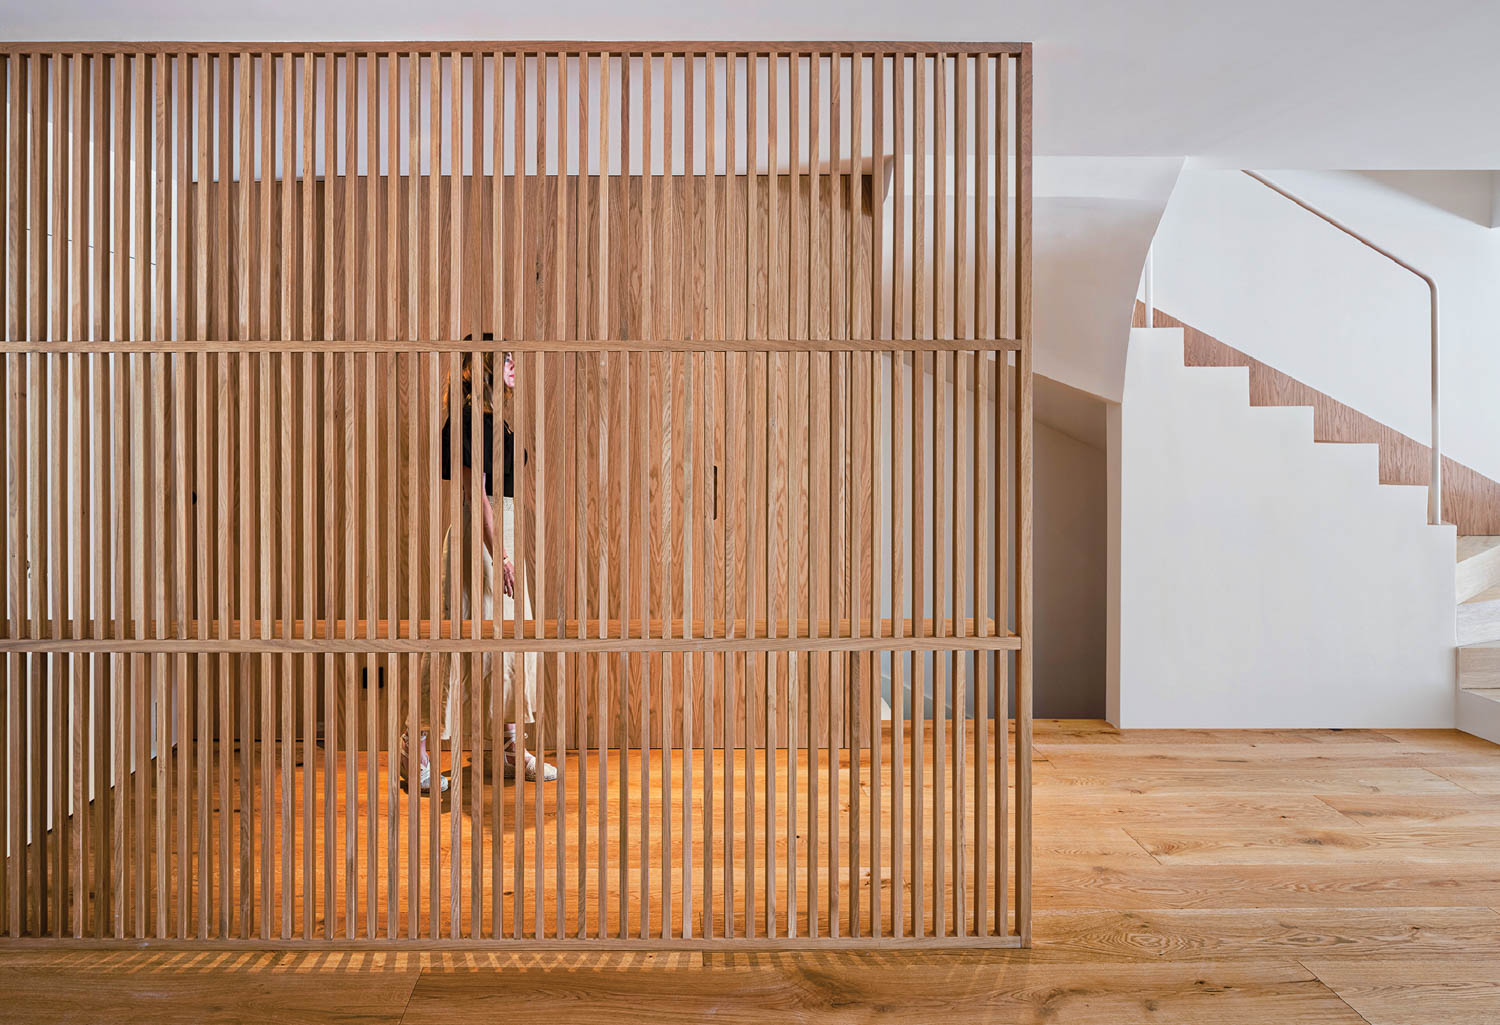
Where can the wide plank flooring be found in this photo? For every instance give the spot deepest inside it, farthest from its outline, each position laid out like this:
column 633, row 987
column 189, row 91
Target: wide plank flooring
column 1224, row 877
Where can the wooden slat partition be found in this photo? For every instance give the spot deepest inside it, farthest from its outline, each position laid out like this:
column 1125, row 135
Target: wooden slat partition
column 769, row 311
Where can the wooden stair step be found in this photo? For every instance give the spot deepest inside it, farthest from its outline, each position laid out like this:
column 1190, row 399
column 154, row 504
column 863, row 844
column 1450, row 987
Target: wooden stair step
column 1478, row 568
column 1479, row 667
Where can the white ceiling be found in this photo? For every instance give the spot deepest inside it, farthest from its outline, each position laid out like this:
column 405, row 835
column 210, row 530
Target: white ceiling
column 1283, row 83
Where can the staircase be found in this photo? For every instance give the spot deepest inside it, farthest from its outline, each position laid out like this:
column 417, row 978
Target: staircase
column 1470, row 499
column 1263, row 601
column 1477, row 582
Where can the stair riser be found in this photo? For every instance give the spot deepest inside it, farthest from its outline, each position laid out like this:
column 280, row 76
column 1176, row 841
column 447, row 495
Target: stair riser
column 1479, row 668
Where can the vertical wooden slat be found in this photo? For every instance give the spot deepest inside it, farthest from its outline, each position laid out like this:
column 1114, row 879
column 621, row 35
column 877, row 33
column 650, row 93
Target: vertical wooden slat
column 985, row 469
column 839, row 725
column 862, row 403
column 483, row 385
column 602, row 664
column 965, row 399
column 535, row 517
column 877, row 361
column 1024, row 659
column 331, row 433
column 500, row 300
column 583, row 372
column 626, row 370
column 433, row 327
column 469, row 572
column 559, row 607
column 944, row 463
column 731, row 604
column 96, row 601
column 691, row 668
column 416, row 369
column 180, row 490
column 708, row 593
column 156, row 474
column 518, row 229
column 674, row 470
column 642, row 382
column 73, row 814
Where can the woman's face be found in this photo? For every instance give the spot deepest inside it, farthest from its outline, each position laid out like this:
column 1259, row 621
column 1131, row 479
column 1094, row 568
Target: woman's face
column 508, row 371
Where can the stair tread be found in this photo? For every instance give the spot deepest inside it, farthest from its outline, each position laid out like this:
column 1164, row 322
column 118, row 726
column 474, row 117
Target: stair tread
column 1473, row 545
column 1489, row 694
column 1493, row 594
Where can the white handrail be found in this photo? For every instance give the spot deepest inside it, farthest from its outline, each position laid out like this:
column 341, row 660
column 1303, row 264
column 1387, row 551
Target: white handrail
column 1435, row 487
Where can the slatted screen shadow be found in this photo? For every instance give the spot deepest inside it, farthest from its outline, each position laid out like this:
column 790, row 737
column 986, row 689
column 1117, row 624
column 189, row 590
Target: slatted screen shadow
column 769, row 308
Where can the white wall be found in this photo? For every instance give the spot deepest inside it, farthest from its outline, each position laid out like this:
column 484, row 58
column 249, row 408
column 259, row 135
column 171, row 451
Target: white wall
column 1069, row 578
column 1264, row 580
column 1094, row 222
column 1250, row 268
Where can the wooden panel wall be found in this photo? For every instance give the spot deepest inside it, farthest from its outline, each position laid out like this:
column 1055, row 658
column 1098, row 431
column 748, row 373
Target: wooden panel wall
column 770, row 309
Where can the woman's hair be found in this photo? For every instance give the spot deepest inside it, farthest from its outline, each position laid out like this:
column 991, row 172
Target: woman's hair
column 475, row 373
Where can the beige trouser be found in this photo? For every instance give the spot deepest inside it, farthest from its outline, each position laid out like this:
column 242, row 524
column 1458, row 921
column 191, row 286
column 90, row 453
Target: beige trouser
column 456, row 671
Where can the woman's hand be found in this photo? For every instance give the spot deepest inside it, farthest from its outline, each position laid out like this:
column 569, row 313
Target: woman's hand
column 508, row 578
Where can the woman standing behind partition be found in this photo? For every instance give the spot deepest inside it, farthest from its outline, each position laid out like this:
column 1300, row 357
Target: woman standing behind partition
column 475, row 391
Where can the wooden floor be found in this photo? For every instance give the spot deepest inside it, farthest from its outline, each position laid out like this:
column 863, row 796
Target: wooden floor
column 1225, row 877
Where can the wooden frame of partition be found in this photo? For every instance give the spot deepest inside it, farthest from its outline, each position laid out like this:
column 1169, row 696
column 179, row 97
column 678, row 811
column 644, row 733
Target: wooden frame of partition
column 782, row 438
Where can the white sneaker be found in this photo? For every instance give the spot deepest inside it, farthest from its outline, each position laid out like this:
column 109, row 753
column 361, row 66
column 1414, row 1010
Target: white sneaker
column 546, row 771
column 424, row 767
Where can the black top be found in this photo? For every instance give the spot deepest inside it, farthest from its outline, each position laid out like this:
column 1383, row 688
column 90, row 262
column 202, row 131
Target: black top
column 487, row 440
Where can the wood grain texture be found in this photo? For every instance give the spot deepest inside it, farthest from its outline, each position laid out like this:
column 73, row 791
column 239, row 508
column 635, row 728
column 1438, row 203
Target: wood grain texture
column 1471, row 500
column 1446, row 991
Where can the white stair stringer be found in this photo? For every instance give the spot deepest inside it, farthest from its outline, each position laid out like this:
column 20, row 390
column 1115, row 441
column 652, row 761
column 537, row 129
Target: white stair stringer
column 1264, row 579
column 1478, row 713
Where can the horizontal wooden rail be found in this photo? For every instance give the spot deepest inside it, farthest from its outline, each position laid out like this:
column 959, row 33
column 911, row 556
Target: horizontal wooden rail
column 759, row 943
column 610, row 629
column 570, row 47
column 684, row 345
column 464, row 645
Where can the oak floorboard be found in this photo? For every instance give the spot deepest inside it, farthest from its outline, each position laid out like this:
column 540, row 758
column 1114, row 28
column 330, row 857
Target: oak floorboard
column 1127, row 811
column 1258, row 757
column 1384, row 811
column 1270, row 933
column 1438, row 740
column 1447, row 991
column 1476, row 779
column 915, row 989
column 1094, row 731
column 1083, row 883
column 208, row 988
column 1294, row 845
column 1076, row 781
